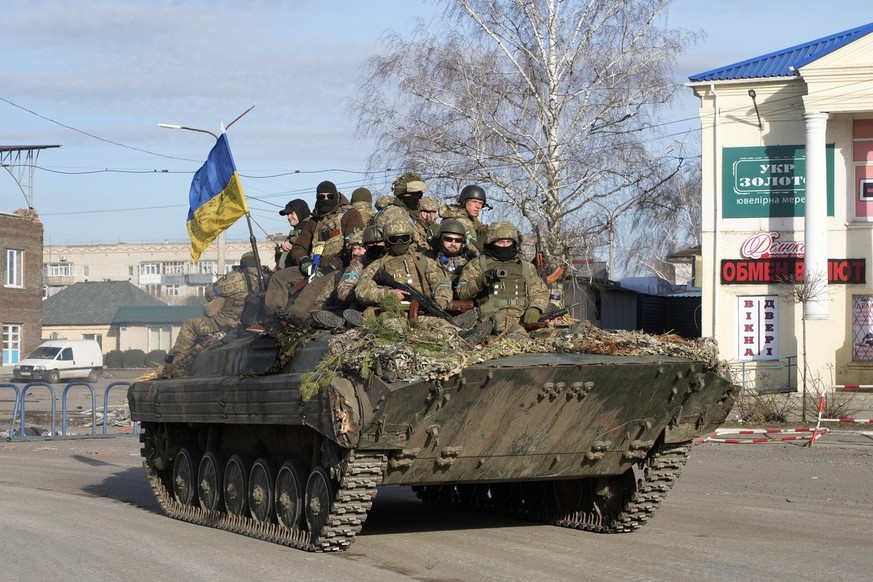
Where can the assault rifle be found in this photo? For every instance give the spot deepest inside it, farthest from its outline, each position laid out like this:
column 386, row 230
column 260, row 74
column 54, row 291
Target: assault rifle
column 549, row 315
column 382, row 277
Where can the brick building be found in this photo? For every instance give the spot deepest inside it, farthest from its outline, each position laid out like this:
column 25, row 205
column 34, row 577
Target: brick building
column 21, row 235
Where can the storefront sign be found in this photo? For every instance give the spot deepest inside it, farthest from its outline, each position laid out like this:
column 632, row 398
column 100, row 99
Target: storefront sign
column 766, row 245
column 738, row 271
column 758, row 331
column 764, row 182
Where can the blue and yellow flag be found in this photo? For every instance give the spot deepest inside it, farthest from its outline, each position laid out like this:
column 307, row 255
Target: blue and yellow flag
column 216, row 198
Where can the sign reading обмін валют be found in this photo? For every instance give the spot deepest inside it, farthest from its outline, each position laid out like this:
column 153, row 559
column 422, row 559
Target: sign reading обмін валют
column 769, row 181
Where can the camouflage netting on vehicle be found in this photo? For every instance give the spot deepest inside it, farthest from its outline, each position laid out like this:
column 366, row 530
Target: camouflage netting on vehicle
column 398, row 349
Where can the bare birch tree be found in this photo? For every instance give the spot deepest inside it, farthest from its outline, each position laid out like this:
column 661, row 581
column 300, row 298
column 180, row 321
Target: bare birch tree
column 662, row 225
column 550, row 104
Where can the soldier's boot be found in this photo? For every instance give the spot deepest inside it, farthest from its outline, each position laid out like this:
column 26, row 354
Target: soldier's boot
column 479, row 332
column 354, row 317
column 328, row 320
column 466, row 320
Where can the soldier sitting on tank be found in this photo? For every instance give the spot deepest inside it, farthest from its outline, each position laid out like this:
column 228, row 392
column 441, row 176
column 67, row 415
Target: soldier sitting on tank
column 318, row 250
column 362, row 201
column 366, row 247
column 450, row 249
column 408, row 190
column 470, row 204
column 226, row 299
column 402, row 265
column 297, row 212
column 502, row 283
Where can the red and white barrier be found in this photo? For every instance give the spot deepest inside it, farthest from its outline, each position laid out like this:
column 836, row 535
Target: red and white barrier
column 851, row 387
column 717, row 437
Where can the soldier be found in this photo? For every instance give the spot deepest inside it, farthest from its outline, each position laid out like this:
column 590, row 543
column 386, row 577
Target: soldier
column 297, row 211
column 226, row 301
column 408, row 190
column 366, row 248
column 404, row 265
column 362, row 201
column 322, row 238
column 450, row 248
column 470, row 204
column 503, row 284
column 383, row 202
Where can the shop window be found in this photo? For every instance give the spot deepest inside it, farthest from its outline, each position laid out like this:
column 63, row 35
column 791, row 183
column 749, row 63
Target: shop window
column 862, row 328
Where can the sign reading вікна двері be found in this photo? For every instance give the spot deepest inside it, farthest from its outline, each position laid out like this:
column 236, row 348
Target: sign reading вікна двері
column 769, row 181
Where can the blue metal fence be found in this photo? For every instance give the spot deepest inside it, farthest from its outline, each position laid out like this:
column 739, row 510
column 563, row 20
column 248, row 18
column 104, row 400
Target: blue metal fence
column 19, row 406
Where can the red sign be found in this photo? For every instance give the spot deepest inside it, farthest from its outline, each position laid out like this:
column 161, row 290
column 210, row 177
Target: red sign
column 737, row 271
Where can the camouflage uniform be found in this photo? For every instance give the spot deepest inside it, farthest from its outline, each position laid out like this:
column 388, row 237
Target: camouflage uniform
column 410, row 183
column 362, row 201
column 505, row 299
column 476, row 231
column 413, row 268
column 233, row 287
column 404, row 265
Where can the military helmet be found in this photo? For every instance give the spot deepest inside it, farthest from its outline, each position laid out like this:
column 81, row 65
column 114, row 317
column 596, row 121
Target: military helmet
column 501, row 230
column 384, row 201
column 248, row 260
column 429, row 205
column 399, row 185
column 397, row 227
column 450, row 225
column 356, row 239
column 472, row 192
column 371, row 234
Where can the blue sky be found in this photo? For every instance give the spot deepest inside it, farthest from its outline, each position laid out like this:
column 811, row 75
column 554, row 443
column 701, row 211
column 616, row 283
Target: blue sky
column 84, row 75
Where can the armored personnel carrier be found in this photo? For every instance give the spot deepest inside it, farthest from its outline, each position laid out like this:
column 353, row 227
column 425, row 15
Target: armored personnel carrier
column 289, row 444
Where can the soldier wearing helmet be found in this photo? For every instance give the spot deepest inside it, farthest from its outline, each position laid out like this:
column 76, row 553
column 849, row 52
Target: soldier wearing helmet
column 367, row 246
column 502, row 283
column 450, row 248
column 471, row 201
column 226, row 299
column 408, row 191
column 403, row 264
column 362, row 201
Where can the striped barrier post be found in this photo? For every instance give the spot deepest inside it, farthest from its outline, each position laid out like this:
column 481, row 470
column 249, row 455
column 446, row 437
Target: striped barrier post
column 717, row 437
column 821, row 400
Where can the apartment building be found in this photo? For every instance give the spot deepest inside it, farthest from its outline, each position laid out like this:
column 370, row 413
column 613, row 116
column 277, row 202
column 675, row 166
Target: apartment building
column 162, row 269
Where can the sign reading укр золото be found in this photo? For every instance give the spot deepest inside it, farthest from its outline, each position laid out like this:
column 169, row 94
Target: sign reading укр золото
column 769, row 181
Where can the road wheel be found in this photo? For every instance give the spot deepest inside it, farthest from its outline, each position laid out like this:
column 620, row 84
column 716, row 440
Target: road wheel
column 235, row 496
column 185, row 476
column 262, row 479
column 94, row 376
column 289, row 495
column 54, row 377
column 209, row 481
column 320, row 492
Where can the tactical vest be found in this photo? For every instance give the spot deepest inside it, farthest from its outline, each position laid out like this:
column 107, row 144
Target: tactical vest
column 510, row 291
column 329, row 235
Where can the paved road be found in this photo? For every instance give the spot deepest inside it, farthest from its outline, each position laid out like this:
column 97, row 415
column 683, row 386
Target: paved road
column 81, row 509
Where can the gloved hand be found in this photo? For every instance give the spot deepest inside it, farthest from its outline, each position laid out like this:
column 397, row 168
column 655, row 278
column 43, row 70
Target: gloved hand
column 305, row 265
column 531, row 315
column 490, row 276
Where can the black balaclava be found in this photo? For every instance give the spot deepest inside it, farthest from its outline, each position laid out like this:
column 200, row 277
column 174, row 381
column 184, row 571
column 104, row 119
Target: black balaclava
column 324, row 206
column 375, row 251
column 411, row 200
column 502, row 253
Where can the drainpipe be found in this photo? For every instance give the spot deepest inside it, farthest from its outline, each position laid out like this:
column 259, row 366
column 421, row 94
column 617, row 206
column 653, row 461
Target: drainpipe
column 716, row 208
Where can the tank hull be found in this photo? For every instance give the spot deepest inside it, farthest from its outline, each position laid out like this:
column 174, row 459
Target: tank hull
column 492, row 436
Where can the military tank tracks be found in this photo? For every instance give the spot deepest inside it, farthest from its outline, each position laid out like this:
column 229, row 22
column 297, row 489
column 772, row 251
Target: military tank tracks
column 599, row 504
column 338, row 508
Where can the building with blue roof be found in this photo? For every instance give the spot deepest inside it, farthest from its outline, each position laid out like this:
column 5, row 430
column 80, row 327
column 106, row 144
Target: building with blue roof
column 787, row 184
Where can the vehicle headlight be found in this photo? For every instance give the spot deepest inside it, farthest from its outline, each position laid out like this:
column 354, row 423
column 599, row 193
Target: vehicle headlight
column 39, row 368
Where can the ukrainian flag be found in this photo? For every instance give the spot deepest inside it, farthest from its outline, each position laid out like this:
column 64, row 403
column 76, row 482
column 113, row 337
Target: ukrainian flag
column 216, row 198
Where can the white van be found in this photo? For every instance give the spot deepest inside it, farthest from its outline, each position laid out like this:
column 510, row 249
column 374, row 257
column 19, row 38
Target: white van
column 54, row 360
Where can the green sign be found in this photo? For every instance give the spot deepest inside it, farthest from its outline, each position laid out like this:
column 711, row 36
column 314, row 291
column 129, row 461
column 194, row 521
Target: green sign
column 769, row 181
